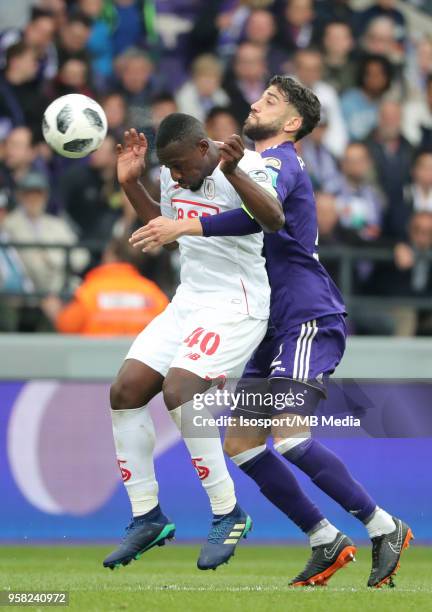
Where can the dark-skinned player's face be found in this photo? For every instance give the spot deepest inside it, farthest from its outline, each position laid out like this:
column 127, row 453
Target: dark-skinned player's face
column 187, row 163
column 268, row 115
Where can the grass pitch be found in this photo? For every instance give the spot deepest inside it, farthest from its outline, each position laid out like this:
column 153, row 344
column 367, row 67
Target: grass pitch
column 166, row 579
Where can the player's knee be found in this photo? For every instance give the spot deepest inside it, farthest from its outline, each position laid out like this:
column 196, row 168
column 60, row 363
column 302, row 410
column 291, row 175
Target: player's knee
column 172, row 394
column 235, row 446
column 123, row 395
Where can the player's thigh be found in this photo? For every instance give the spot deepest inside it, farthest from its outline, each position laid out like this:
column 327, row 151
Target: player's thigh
column 218, row 344
column 135, row 385
column 158, row 343
column 180, row 386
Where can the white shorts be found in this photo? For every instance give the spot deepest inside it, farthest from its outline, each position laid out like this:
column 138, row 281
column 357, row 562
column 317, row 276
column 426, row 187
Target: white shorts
column 208, row 342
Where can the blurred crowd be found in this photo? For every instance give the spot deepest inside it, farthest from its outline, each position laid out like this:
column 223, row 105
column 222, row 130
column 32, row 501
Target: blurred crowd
column 370, row 158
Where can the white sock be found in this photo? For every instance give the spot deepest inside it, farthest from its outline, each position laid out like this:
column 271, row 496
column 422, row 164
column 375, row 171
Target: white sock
column 323, row 533
column 248, row 454
column 134, row 439
column 207, row 458
column 380, row 523
column 288, row 444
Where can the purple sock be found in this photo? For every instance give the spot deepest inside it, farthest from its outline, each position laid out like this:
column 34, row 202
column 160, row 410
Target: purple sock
column 329, row 474
column 279, row 485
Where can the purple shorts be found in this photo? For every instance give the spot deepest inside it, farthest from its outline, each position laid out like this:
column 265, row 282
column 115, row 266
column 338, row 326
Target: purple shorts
column 307, row 353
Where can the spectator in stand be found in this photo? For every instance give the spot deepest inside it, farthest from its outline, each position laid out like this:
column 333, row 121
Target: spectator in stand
column 218, row 28
column 320, row 163
column 19, row 158
column 392, row 155
column 39, row 35
column 360, row 204
column 91, row 194
column 261, row 29
column 73, row 77
column 297, row 25
column 113, row 300
column 409, row 276
column 360, row 105
column 21, row 102
column 30, row 223
column 338, row 45
column 13, row 277
column 73, row 39
column 417, row 119
column 418, row 195
column 335, row 10
column 220, row 124
column 419, row 68
column 161, row 105
column 389, row 10
column 204, row 90
column 246, row 80
column 115, row 109
column 134, row 70
column 99, row 44
column 308, row 67
column 125, row 19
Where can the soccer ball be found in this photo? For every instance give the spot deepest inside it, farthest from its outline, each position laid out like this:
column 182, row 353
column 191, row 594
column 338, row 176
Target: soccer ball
column 74, row 125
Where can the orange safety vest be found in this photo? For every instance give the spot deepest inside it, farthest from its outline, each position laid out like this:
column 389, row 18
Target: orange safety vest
column 113, row 300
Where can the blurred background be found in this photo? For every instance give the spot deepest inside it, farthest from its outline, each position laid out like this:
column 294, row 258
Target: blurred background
column 64, row 226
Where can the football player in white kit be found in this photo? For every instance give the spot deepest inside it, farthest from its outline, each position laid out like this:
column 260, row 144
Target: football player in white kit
column 208, row 332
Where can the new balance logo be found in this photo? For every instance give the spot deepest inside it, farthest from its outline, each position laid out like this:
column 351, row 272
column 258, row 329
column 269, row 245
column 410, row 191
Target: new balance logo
column 202, row 470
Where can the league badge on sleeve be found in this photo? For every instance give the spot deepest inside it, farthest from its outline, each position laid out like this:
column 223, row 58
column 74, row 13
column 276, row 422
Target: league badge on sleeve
column 209, row 188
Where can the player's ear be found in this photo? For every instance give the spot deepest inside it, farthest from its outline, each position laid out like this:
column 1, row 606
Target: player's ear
column 293, row 124
column 203, row 146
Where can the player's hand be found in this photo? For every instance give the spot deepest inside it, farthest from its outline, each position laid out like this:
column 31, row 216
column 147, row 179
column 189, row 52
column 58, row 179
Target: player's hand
column 231, row 151
column 156, row 233
column 131, row 156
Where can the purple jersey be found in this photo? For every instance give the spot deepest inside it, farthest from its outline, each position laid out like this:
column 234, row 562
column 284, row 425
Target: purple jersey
column 301, row 289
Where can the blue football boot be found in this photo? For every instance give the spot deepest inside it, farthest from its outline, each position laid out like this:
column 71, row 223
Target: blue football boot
column 225, row 533
column 143, row 532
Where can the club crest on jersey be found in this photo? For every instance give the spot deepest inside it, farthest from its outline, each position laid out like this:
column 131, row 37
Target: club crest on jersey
column 209, row 188
column 274, row 162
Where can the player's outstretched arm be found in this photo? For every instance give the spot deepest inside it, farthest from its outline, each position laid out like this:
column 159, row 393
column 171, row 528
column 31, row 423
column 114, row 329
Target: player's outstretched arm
column 130, row 167
column 162, row 231
column 263, row 205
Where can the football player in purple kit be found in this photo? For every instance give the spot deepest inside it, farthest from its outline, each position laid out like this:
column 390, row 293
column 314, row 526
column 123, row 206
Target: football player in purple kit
column 304, row 343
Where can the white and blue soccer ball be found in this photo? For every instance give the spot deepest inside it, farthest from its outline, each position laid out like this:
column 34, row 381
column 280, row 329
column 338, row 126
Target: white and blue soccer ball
column 74, row 125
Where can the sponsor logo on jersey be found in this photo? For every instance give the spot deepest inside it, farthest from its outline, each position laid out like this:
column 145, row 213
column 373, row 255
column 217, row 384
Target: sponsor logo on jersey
column 259, row 176
column 273, row 161
column 209, row 188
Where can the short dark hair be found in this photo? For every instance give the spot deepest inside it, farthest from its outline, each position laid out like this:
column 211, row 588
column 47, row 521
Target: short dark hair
column 218, row 110
column 79, row 17
column 164, row 96
column 303, row 99
column 179, row 127
column 16, row 50
column 374, row 58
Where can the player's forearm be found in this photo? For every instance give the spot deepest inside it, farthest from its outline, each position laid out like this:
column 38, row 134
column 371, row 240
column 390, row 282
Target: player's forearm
column 145, row 206
column 265, row 207
column 229, row 223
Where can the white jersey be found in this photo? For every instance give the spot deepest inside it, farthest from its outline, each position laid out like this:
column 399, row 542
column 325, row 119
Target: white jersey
column 227, row 272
